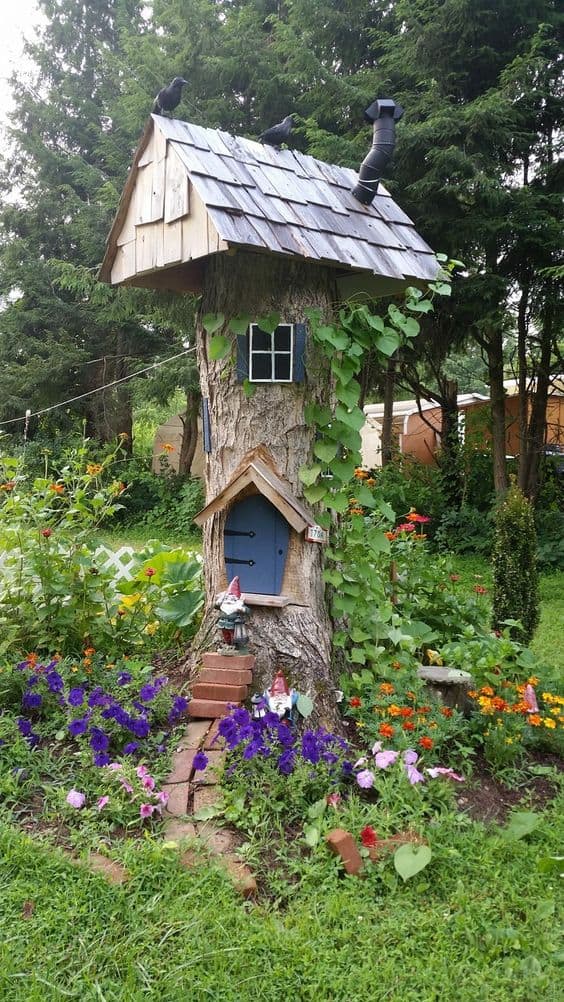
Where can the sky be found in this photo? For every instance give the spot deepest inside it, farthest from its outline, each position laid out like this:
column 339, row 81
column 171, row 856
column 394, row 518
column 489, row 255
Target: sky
column 18, row 17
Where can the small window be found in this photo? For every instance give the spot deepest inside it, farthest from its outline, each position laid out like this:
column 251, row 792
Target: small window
column 271, row 356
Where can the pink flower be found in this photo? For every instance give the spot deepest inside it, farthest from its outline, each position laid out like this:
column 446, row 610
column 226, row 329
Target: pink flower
column 102, row 802
column 127, row 787
column 410, row 757
column 359, row 762
column 76, row 799
column 333, row 799
column 148, row 782
column 413, row 775
column 385, row 758
column 406, row 527
column 146, row 810
column 142, row 771
column 376, row 747
column 529, row 697
column 149, row 572
column 115, row 766
column 450, row 773
column 365, row 779
column 162, row 796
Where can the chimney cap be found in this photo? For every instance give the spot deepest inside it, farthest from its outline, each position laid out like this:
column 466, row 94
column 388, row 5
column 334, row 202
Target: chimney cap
column 383, row 107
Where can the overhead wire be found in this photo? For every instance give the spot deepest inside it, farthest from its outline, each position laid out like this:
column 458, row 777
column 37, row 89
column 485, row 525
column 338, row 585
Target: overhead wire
column 97, row 389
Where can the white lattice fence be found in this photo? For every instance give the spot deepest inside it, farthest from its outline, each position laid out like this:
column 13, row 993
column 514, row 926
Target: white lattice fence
column 122, row 562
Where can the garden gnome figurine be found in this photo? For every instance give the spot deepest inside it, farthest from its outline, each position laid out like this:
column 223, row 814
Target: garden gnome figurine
column 233, row 613
column 280, row 697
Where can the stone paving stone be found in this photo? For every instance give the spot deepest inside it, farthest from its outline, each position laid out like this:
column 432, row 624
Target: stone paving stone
column 241, row 662
column 177, row 803
column 213, row 740
column 113, row 872
column 343, row 844
column 206, row 796
column 241, row 876
column 181, row 766
column 194, row 734
column 217, row 840
column 208, row 777
column 175, row 830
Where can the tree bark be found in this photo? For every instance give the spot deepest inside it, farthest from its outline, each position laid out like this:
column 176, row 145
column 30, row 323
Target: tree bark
column 189, row 435
column 536, row 430
column 497, row 407
column 296, row 638
column 388, row 417
column 450, row 456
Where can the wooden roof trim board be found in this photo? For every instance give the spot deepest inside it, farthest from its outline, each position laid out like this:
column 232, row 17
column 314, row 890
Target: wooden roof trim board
column 270, row 485
column 282, row 202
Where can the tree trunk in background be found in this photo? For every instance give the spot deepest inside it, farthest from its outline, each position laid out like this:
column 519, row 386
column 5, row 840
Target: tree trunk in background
column 388, row 417
column 450, row 457
column 522, row 328
column 536, row 429
column 497, row 408
column 296, row 638
column 109, row 413
column 189, row 435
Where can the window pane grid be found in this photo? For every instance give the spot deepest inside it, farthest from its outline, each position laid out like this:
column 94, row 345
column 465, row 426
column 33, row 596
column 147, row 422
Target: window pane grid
column 271, row 355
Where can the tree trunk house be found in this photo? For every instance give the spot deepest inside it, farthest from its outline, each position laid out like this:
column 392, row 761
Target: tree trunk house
column 253, row 231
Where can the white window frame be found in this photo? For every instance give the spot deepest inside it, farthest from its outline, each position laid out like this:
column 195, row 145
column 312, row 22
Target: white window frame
column 273, row 353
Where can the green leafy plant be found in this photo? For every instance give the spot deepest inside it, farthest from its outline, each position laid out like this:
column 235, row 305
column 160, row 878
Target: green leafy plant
column 514, row 561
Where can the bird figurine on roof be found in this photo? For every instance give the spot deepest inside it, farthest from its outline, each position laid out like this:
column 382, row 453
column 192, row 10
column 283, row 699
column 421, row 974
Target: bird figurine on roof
column 169, row 97
column 277, row 134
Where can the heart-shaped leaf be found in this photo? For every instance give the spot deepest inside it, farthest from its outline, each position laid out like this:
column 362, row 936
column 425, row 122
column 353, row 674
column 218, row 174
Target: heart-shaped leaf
column 304, row 705
column 311, row 835
column 212, row 322
column 315, row 493
column 522, row 823
column 309, row 474
column 410, row 859
column 240, row 324
column 326, row 451
column 219, row 346
column 388, row 343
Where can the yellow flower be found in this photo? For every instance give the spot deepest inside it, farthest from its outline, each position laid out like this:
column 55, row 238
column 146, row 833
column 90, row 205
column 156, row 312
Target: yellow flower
column 509, row 741
column 167, row 447
column 151, row 628
column 93, row 469
column 433, row 657
column 130, row 600
column 549, row 722
column 533, row 680
column 360, row 723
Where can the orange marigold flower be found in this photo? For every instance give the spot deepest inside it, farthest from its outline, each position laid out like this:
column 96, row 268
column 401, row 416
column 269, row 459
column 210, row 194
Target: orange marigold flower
column 425, row 742
column 32, row 658
column 394, row 711
column 57, row 488
column 487, row 690
column 411, row 695
column 424, row 709
column 408, row 726
column 472, row 693
column 396, row 664
column 386, row 688
column 446, row 711
column 167, row 447
column 87, row 661
column 89, row 651
column 406, row 711
column 534, row 719
column 361, row 474
column 533, row 680
column 391, row 536
column 356, row 511
column 499, row 704
column 93, row 469
column 370, row 482
column 386, row 730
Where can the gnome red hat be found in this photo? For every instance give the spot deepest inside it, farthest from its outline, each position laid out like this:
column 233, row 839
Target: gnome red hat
column 234, row 588
column 279, row 685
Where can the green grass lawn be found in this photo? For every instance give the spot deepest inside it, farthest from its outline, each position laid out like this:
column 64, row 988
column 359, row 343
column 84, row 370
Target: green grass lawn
column 479, row 925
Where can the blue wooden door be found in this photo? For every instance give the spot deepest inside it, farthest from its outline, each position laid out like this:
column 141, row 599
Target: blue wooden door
column 256, row 544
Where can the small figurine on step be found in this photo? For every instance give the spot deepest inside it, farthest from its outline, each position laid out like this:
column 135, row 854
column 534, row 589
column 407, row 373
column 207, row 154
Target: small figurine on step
column 232, row 619
column 280, row 698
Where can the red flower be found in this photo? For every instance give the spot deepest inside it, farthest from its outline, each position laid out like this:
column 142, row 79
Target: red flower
column 480, row 590
column 406, row 711
column 406, row 527
column 386, row 731
column 368, row 837
column 426, row 743
column 408, row 726
column 355, row 701
column 446, row 711
column 149, row 572
column 47, row 532
column 419, row 519
column 454, row 577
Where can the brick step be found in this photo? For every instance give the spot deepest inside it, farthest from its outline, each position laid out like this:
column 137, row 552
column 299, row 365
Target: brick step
column 242, row 662
column 229, row 693
column 225, row 676
column 208, row 708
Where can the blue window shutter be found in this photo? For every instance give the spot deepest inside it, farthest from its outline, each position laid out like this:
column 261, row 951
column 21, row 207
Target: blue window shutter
column 242, row 357
column 206, row 426
column 299, row 353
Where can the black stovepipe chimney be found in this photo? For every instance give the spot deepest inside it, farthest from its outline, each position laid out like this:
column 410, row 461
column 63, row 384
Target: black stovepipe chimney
column 384, row 114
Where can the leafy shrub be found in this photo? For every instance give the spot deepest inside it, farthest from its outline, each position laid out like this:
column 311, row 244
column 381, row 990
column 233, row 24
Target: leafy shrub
column 54, row 595
column 176, row 512
column 406, row 482
column 550, row 536
column 464, row 530
column 514, row 560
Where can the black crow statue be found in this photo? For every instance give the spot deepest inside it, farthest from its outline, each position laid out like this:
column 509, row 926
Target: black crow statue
column 277, row 134
column 169, row 97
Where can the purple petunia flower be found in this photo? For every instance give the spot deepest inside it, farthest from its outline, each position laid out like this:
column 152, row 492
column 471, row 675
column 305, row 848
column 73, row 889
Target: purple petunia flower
column 76, row 697
column 253, row 748
column 200, row 761
column 130, row 747
column 271, row 719
column 146, row 810
column 24, row 726
column 78, row 726
column 347, row 768
column 148, row 692
column 32, row 680
column 241, row 716
column 31, row 700
column 310, row 748
column 385, row 758
column 365, row 779
column 124, row 678
column 99, row 740
column 102, row 801
column 410, row 756
column 139, row 727
column 101, row 759
column 98, row 697
column 285, row 736
column 54, row 681
column 227, row 729
column 286, row 761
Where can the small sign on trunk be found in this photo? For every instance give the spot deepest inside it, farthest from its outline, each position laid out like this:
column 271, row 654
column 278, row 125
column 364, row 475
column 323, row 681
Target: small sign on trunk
column 315, row 534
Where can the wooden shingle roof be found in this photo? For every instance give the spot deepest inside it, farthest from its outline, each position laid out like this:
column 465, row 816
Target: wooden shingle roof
column 281, row 202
